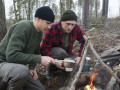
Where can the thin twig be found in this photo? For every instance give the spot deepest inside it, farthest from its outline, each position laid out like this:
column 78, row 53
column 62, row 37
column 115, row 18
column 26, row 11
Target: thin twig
column 77, row 66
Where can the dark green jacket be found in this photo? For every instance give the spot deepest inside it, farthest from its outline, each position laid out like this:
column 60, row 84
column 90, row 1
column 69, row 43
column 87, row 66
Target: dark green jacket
column 21, row 44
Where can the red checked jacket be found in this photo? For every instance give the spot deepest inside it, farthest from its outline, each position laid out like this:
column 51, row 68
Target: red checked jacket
column 53, row 37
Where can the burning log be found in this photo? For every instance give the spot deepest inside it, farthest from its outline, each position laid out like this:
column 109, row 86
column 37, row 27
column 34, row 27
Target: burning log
column 91, row 86
column 102, row 78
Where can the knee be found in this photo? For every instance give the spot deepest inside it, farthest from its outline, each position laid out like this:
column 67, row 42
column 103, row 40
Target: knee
column 62, row 54
column 20, row 71
column 59, row 53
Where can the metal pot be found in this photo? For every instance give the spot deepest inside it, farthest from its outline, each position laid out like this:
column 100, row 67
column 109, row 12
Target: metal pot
column 69, row 64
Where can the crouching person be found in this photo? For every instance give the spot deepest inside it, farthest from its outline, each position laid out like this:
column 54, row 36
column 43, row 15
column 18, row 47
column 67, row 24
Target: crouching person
column 19, row 47
column 59, row 39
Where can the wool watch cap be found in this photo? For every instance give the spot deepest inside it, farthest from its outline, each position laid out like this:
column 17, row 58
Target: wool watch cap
column 45, row 13
column 69, row 15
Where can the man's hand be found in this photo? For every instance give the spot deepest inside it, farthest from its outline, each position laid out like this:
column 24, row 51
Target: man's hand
column 46, row 60
column 34, row 74
column 58, row 63
column 77, row 60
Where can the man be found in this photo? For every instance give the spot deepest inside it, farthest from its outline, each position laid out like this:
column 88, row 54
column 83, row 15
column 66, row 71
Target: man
column 19, row 47
column 59, row 39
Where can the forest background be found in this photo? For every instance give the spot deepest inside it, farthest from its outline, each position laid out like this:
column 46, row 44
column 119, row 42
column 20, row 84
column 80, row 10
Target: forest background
column 89, row 12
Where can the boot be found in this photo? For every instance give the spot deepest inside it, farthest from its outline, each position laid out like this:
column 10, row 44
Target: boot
column 3, row 85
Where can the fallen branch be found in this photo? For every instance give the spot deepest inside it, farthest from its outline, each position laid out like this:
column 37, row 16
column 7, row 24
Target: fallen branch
column 71, row 84
column 77, row 66
column 80, row 68
column 100, row 60
column 111, row 84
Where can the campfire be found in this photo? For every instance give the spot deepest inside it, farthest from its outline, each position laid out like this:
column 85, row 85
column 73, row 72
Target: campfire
column 91, row 86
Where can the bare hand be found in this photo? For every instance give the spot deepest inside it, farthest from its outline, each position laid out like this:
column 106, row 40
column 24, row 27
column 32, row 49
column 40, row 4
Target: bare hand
column 46, row 60
column 77, row 60
column 58, row 63
column 34, row 74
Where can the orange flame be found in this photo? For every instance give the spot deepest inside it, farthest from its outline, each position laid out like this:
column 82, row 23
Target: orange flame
column 91, row 86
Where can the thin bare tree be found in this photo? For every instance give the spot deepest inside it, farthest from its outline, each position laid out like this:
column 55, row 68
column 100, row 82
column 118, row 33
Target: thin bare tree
column 15, row 12
column 105, row 10
column 69, row 4
column 3, row 28
column 29, row 9
column 85, row 16
column 62, row 6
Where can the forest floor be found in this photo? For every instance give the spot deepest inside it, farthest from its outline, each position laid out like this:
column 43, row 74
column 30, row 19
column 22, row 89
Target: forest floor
column 102, row 38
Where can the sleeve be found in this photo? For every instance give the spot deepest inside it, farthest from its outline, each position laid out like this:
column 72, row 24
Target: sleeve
column 46, row 44
column 15, row 49
column 81, row 40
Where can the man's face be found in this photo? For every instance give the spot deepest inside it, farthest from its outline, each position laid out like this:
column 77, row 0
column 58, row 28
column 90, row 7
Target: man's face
column 68, row 26
column 43, row 25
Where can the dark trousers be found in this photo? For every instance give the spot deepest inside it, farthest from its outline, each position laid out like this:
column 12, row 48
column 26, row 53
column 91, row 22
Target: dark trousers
column 60, row 54
column 17, row 77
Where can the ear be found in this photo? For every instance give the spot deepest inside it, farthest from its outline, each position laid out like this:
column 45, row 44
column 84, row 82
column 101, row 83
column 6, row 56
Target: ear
column 38, row 19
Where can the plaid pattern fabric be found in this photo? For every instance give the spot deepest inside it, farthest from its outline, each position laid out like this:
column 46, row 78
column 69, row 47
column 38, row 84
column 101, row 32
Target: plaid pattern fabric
column 53, row 37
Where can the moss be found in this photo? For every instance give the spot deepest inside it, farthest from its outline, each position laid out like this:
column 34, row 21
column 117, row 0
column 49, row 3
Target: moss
column 91, row 30
column 96, row 25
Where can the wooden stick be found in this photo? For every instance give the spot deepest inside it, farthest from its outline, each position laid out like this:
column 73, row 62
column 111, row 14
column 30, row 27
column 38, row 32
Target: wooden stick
column 100, row 60
column 73, row 80
column 110, row 85
column 77, row 66
column 80, row 69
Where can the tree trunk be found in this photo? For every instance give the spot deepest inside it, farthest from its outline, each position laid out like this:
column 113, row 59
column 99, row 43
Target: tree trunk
column 96, row 8
column 68, row 4
column 3, row 28
column 16, row 19
column 62, row 6
column 85, row 16
column 105, row 10
column 29, row 6
column 37, row 3
column 91, row 12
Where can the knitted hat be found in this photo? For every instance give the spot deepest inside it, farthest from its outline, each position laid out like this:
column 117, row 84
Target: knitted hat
column 69, row 15
column 45, row 13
